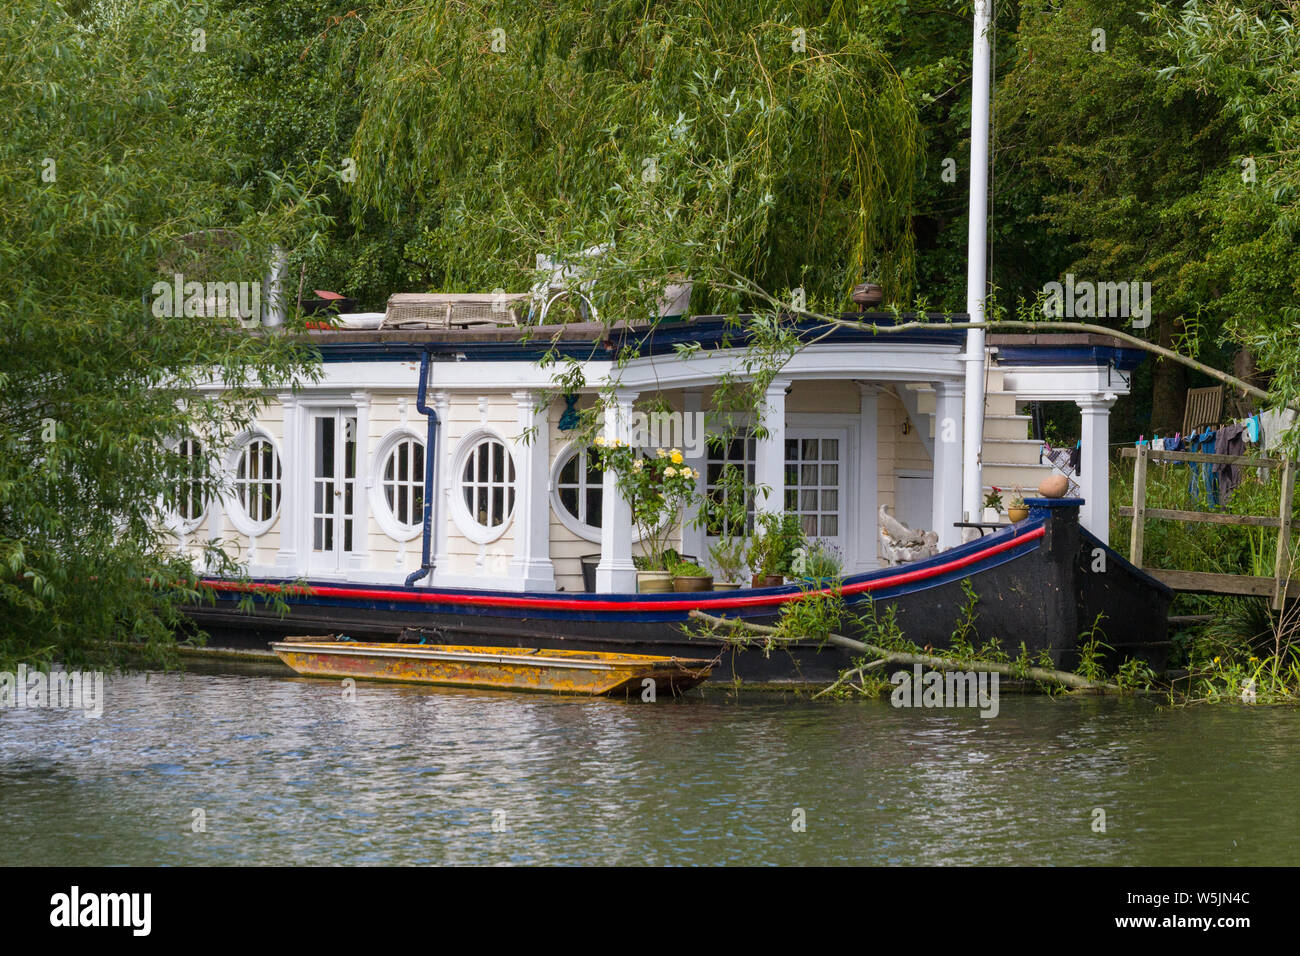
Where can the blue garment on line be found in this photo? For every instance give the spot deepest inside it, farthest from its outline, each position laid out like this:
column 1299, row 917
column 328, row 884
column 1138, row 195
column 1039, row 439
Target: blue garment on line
column 1202, row 485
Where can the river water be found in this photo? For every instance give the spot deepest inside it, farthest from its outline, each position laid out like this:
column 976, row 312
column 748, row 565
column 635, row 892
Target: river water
column 287, row 771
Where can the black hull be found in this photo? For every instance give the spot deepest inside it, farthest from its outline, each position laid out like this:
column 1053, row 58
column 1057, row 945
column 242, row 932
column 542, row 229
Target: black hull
column 1042, row 592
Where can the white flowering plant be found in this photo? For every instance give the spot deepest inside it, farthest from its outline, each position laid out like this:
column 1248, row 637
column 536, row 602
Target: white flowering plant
column 656, row 487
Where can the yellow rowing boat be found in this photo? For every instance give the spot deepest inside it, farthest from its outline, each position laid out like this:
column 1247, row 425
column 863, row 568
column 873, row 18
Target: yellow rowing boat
column 594, row 673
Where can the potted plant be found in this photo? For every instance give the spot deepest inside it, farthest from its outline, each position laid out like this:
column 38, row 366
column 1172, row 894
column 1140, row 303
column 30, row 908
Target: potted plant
column 655, row 488
column 1017, row 510
column 993, row 505
column 650, row 578
column 730, row 558
column 820, row 564
column 689, row 576
column 772, row 553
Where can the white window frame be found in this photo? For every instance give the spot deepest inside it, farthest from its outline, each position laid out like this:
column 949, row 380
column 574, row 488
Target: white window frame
column 748, row 467
column 384, row 515
column 842, row 512
column 587, row 532
column 466, row 522
column 240, row 518
column 337, row 560
column 178, row 522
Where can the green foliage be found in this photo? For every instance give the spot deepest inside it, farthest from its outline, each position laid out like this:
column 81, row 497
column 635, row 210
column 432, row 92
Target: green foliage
column 814, row 617
column 105, row 185
column 1092, row 648
column 776, row 544
column 1243, row 55
column 686, row 569
column 963, row 632
column 706, row 139
column 656, row 489
column 283, row 73
column 883, row 630
column 730, row 556
column 1135, row 674
column 819, row 561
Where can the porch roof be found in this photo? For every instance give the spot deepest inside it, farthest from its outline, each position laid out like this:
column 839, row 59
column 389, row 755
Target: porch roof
column 1065, row 348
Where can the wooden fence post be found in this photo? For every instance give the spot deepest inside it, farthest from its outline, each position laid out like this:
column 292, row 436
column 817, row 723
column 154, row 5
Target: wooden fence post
column 1282, row 563
column 1139, row 506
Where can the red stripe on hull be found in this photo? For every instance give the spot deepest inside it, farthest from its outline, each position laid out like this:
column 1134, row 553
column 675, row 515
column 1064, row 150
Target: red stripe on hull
column 568, row 604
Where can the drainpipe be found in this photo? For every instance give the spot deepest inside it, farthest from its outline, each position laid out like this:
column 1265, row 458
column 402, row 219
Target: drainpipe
column 430, row 440
column 976, row 264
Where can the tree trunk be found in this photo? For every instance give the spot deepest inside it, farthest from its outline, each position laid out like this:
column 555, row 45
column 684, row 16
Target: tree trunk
column 1168, row 383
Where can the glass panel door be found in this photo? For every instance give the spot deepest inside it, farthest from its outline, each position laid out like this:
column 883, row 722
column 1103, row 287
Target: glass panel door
column 333, row 488
column 814, row 482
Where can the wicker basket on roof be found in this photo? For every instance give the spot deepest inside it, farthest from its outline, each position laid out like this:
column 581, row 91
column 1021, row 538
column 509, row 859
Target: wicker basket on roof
column 441, row 310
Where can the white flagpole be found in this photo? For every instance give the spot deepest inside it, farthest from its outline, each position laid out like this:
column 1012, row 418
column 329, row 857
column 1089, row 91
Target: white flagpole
column 976, row 263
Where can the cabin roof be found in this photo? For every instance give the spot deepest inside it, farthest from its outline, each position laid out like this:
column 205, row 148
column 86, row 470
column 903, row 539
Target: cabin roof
column 598, row 341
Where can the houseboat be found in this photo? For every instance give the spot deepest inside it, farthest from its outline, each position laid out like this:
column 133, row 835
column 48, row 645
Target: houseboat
column 426, row 488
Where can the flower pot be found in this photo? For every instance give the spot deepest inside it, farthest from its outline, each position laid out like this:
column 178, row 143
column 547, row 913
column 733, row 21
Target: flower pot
column 1017, row 513
column 726, row 585
column 693, row 582
column 767, row 581
column 992, row 516
column 654, row 582
column 589, row 563
column 675, row 300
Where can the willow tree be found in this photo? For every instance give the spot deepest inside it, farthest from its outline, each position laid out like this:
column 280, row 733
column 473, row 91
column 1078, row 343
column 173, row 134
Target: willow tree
column 704, row 139
column 1245, row 54
column 105, row 187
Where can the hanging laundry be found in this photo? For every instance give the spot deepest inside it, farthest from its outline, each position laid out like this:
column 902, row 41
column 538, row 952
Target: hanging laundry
column 1230, row 441
column 1202, row 486
column 1076, row 457
column 1252, row 429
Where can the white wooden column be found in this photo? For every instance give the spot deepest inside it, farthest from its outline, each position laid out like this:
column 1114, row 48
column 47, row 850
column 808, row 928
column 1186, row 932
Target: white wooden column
column 616, row 573
column 441, row 484
column 693, row 538
column 947, row 462
column 291, row 559
column 359, row 557
column 867, row 500
column 1094, row 463
column 531, row 566
column 769, row 452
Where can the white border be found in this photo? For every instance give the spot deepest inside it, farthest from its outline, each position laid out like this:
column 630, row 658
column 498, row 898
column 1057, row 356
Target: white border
column 383, row 515
column 465, row 522
column 234, row 510
column 184, row 527
column 585, row 531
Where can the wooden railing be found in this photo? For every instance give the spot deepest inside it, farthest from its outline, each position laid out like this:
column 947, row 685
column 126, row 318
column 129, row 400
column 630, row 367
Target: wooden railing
column 1276, row 588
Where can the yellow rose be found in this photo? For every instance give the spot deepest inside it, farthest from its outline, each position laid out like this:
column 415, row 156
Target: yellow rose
column 670, row 471
column 600, row 440
column 661, row 453
column 677, row 457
